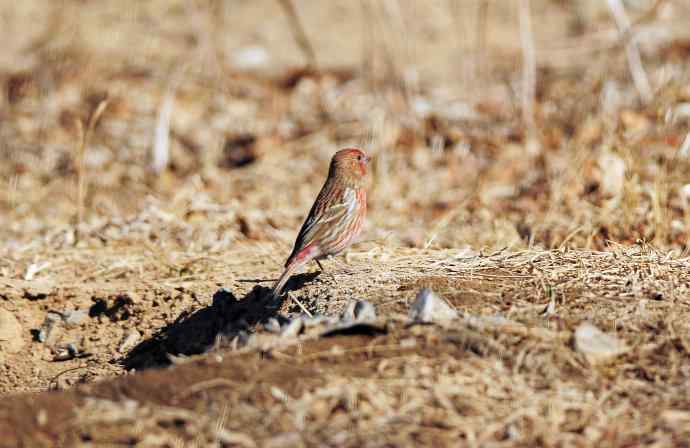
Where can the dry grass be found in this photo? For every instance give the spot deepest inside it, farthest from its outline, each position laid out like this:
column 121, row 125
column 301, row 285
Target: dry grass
column 531, row 166
column 507, row 373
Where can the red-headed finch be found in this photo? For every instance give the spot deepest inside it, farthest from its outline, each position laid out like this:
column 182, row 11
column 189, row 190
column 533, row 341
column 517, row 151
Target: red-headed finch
column 337, row 216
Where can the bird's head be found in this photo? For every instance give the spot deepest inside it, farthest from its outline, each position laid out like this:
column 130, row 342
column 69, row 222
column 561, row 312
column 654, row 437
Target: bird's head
column 350, row 165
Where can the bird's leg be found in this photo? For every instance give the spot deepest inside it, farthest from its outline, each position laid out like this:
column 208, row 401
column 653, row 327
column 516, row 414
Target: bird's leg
column 330, row 274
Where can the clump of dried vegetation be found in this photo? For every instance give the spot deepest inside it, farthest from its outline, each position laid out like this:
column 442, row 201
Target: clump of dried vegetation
column 531, row 166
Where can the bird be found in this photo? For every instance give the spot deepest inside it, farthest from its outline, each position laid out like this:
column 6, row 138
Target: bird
column 337, row 216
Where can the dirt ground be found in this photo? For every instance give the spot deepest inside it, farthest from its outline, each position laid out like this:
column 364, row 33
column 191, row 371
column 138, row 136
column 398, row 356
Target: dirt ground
column 156, row 162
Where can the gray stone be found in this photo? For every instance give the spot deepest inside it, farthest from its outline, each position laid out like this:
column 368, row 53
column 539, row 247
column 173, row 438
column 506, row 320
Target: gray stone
column 364, row 311
column 293, row 328
column 272, row 325
column 358, row 310
column 47, row 332
column 428, row 307
column 75, row 318
column 66, row 352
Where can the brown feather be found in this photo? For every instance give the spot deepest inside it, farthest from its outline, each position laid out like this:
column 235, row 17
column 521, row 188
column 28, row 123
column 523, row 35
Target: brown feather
column 337, row 215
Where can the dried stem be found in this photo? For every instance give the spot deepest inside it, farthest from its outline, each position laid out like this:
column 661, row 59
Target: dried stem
column 84, row 137
column 632, row 52
column 298, row 32
column 529, row 65
column 480, row 40
column 161, row 144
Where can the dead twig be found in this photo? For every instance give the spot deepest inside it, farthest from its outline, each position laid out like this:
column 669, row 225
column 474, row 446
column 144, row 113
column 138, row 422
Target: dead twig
column 529, row 66
column 481, row 40
column 632, row 52
column 298, row 32
column 84, row 137
column 208, row 384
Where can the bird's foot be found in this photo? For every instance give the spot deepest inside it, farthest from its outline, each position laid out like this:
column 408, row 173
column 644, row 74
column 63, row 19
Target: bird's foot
column 330, row 274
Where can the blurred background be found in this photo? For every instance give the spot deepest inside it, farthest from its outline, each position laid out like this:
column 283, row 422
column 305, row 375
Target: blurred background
column 203, row 124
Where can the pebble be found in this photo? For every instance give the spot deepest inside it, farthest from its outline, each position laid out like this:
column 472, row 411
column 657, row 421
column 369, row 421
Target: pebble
column 130, row 339
column 47, row 332
column 596, row 345
column 428, row 307
column 74, row 318
column 293, row 328
column 359, row 310
column 272, row 325
column 249, row 58
column 67, row 352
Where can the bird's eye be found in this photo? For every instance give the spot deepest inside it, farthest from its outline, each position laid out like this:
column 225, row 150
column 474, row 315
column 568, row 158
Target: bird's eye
column 359, row 157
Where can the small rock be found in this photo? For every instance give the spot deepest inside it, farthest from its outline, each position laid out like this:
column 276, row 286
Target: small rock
column 428, row 307
column 11, row 340
column 130, row 339
column 42, row 417
column 364, row 311
column 613, row 174
column 47, row 333
column 358, row 310
column 272, row 325
column 74, row 318
column 596, row 345
column 66, row 352
column 293, row 328
column 359, row 317
column 349, row 312
column 250, row 58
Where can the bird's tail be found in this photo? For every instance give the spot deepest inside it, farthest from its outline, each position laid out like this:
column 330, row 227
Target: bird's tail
column 289, row 269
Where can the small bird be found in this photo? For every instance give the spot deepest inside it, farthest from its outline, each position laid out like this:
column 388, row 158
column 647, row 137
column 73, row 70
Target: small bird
column 337, row 216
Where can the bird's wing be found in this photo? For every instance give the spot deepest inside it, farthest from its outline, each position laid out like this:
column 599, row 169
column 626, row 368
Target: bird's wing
column 322, row 220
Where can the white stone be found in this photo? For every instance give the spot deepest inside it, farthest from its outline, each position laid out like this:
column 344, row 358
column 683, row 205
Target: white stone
column 248, row 58
column 596, row 345
column 428, row 307
column 612, row 174
column 359, row 310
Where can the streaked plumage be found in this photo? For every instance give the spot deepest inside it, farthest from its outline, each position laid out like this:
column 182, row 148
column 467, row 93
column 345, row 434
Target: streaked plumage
column 337, row 216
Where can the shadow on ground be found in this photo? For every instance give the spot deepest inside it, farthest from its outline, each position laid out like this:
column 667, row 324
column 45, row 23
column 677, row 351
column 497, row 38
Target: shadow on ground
column 218, row 324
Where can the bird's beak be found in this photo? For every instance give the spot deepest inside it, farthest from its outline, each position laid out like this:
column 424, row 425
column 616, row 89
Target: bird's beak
column 367, row 159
